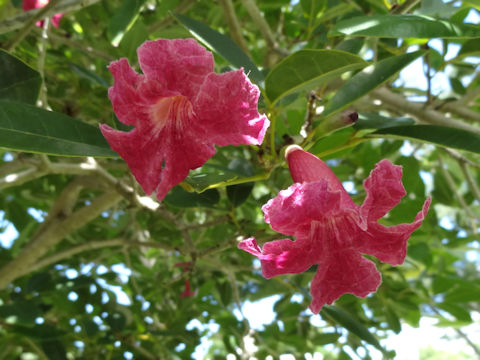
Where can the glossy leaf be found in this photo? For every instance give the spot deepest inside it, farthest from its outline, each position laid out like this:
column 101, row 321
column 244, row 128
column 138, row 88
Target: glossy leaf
column 440, row 135
column 206, row 180
column 352, row 324
column 367, row 80
column 307, row 69
column 376, row 121
column 404, row 26
column 88, row 75
column 223, row 45
column 30, row 129
column 180, row 198
column 470, row 47
column 311, row 8
column 123, row 20
column 18, row 81
column 238, row 194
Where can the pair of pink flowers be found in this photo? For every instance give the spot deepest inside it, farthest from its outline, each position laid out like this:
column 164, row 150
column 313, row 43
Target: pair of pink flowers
column 180, row 109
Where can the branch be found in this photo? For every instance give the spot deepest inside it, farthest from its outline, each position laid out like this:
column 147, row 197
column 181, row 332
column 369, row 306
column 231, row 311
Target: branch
column 405, row 7
column 41, row 14
column 21, row 177
column 65, row 254
column 55, row 228
column 233, row 24
column 263, row 26
column 180, row 9
column 80, row 46
column 460, row 109
column 64, row 6
column 451, row 184
column 470, row 180
column 423, row 114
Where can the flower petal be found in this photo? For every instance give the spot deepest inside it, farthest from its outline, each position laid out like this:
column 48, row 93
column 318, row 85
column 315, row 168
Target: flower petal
column 158, row 160
column 124, row 95
column 178, row 65
column 389, row 244
column 293, row 210
column 281, row 256
column 344, row 272
column 227, row 108
column 384, row 190
column 306, row 167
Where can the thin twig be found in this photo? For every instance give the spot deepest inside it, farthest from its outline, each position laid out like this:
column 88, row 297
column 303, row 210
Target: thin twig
column 183, row 7
column 65, row 254
column 451, row 184
column 80, row 46
column 459, row 157
column 21, row 19
column 405, row 7
column 263, row 26
column 471, row 181
column 43, row 13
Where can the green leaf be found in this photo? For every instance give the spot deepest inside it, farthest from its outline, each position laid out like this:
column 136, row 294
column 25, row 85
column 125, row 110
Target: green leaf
column 181, row 198
column 306, row 69
column 54, row 349
column 376, row 121
column 325, row 338
column 222, row 45
column 367, row 80
column 463, row 294
column 117, row 321
column 311, row 8
column 19, row 81
column 123, row 20
column 203, row 181
column 214, row 176
column 238, row 194
column 352, row 324
column 132, row 40
column 470, row 47
column 404, row 26
column 30, row 129
column 393, row 320
column 459, row 312
column 43, row 331
column 440, row 135
column 88, row 75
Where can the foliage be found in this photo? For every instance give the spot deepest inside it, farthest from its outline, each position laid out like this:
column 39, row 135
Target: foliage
column 88, row 238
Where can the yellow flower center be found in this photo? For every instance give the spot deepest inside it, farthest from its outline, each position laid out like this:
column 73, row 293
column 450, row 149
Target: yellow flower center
column 176, row 108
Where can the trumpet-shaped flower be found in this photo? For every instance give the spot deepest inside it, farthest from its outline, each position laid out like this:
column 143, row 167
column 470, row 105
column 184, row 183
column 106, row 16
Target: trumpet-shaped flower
column 180, row 109
column 332, row 231
column 36, row 4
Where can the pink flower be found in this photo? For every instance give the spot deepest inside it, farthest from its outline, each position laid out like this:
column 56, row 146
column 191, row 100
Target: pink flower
column 332, row 231
column 180, row 109
column 187, row 292
column 36, row 4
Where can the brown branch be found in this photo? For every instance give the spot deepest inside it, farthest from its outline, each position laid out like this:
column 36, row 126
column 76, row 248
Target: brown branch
column 55, row 228
column 65, row 254
column 41, row 14
column 64, row 6
column 460, row 109
column 422, row 113
column 233, row 24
